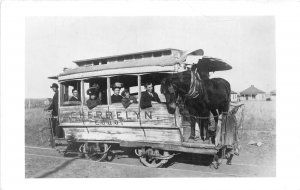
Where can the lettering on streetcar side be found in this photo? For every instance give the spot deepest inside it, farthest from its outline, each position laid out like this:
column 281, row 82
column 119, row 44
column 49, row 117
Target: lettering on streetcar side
column 104, row 117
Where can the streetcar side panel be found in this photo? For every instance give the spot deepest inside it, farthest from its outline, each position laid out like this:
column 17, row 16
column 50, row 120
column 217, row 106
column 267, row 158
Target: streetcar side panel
column 115, row 123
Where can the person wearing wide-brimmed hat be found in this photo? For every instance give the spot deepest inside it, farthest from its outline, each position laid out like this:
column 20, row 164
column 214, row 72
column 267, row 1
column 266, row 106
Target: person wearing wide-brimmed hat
column 116, row 97
column 57, row 131
column 93, row 101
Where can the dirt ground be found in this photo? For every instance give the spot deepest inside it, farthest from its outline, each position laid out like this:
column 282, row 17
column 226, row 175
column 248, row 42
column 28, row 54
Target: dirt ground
column 49, row 164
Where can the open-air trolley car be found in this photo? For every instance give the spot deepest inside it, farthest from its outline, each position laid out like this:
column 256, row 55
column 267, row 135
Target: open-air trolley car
column 155, row 134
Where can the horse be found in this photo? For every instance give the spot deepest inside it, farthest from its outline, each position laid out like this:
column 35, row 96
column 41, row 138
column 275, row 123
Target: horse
column 199, row 96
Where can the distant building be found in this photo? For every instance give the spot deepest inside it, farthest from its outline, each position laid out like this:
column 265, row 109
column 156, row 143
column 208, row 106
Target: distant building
column 253, row 93
column 234, row 96
column 273, row 94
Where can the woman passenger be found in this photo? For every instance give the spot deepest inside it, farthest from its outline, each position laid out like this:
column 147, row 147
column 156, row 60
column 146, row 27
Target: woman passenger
column 116, row 97
column 93, row 101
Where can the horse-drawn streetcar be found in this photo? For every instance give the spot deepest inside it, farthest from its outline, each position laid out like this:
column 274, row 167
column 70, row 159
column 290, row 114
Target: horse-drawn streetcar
column 184, row 96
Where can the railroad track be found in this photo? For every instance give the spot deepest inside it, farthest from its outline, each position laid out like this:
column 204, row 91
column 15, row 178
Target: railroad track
column 190, row 170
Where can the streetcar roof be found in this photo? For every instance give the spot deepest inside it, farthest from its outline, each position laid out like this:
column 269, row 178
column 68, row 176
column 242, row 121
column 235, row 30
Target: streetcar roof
column 165, row 51
column 164, row 62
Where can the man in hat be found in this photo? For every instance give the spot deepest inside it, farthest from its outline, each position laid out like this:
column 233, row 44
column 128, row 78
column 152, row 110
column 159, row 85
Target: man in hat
column 57, row 131
column 148, row 96
column 116, row 97
column 93, row 101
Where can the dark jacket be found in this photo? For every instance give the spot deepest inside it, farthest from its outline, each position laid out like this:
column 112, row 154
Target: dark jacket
column 74, row 99
column 146, row 99
column 126, row 101
column 93, row 103
column 54, row 104
column 116, row 99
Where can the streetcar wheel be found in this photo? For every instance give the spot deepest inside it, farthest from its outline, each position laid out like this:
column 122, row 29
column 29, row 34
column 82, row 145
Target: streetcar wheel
column 152, row 162
column 95, row 151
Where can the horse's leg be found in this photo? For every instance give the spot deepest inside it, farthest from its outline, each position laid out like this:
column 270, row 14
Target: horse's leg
column 193, row 122
column 215, row 114
column 205, row 127
column 216, row 118
column 201, row 128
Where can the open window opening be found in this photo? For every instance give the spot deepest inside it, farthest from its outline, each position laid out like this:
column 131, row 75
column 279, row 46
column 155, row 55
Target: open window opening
column 100, row 86
column 155, row 79
column 120, row 83
column 70, row 93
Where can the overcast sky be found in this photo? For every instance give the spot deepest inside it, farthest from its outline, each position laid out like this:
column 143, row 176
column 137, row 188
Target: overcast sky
column 246, row 43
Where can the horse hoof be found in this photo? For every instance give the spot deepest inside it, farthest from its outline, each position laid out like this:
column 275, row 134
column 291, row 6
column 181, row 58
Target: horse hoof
column 228, row 163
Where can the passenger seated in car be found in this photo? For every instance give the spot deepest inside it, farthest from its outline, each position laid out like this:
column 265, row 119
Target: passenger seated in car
column 93, row 101
column 75, row 95
column 127, row 99
column 116, row 97
column 148, row 96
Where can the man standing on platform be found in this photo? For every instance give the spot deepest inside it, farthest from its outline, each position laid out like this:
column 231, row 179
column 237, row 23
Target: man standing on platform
column 57, row 131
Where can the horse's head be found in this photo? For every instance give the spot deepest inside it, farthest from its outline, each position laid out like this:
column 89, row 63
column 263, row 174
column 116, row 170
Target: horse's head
column 168, row 89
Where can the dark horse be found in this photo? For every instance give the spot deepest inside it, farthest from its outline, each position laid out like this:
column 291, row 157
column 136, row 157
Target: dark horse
column 199, row 96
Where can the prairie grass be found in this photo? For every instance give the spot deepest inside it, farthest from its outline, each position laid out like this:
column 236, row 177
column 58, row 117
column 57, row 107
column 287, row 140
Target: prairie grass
column 37, row 131
column 36, row 102
column 260, row 126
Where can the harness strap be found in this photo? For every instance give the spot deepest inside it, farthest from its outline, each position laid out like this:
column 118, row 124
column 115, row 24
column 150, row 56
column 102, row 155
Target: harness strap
column 196, row 88
column 225, row 113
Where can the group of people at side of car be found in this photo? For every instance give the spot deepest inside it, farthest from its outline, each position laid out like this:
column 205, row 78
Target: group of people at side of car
column 147, row 96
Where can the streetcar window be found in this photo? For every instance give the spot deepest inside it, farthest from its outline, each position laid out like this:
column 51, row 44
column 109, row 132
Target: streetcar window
column 101, row 89
column 70, row 93
column 129, row 82
column 155, row 79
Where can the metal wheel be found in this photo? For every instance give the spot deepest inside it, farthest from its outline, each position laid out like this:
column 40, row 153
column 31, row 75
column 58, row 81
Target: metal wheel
column 95, row 151
column 153, row 158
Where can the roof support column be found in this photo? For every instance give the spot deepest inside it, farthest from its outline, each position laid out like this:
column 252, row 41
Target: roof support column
column 82, row 92
column 139, row 85
column 108, row 91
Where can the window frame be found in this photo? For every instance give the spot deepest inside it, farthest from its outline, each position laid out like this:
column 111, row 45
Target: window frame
column 62, row 91
column 82, row 81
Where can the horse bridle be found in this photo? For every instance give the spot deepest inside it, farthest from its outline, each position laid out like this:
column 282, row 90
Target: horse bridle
column 173, row 92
